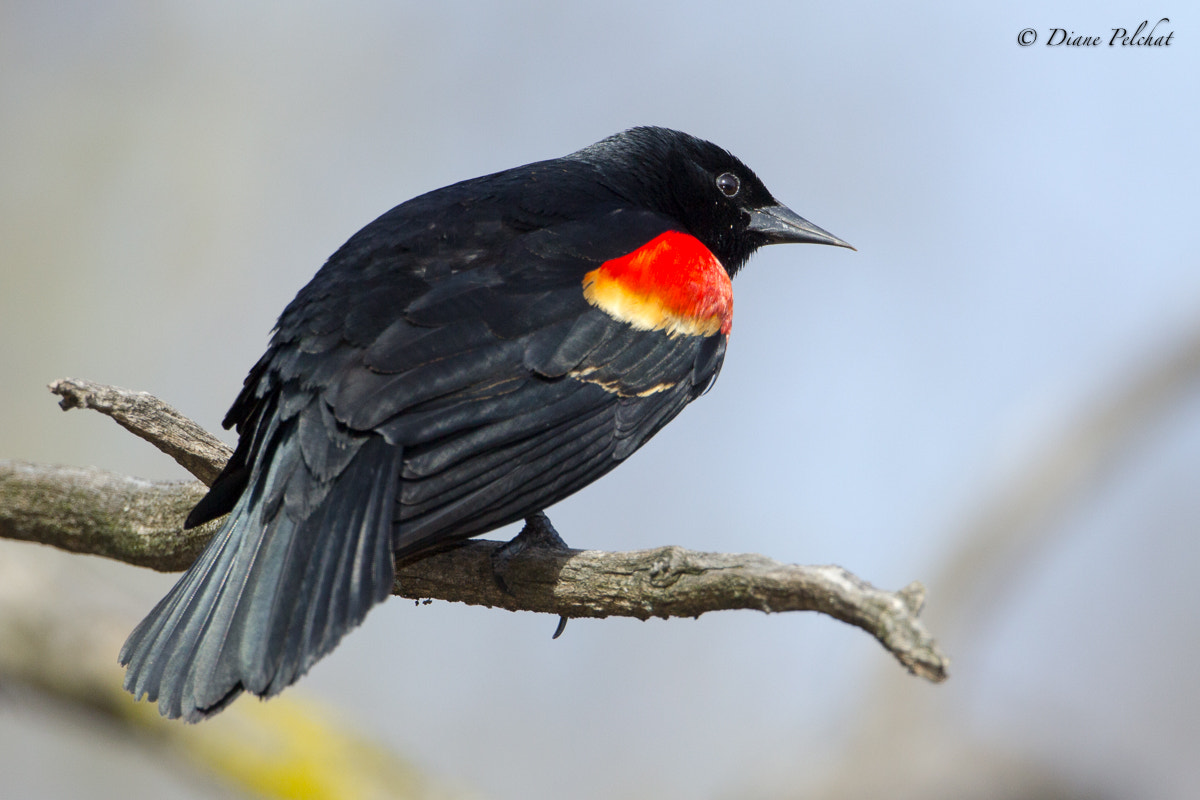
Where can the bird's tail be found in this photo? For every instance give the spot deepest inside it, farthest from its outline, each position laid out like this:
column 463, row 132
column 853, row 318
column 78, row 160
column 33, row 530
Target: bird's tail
column 298, row 563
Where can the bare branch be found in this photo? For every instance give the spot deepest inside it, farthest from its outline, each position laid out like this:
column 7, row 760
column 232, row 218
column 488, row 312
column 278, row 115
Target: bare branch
column 674, row 582
column 144, row 415
column 101, row 513
column 91, row 511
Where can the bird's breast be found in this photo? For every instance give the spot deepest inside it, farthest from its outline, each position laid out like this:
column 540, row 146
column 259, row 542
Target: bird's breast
column 672, row 283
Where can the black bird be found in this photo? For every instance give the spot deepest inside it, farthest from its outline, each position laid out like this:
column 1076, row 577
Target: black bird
column 468, row 359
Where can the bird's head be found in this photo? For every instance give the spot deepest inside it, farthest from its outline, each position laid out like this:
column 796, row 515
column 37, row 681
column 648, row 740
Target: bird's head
column 709, row 191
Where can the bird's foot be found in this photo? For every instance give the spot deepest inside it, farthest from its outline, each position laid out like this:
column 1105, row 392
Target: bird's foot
column 538, row 534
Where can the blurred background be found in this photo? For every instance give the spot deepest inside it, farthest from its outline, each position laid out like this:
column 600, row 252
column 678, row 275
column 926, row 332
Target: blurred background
column 999, row 394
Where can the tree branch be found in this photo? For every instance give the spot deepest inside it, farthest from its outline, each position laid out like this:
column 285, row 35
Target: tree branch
column 139, row 522
column 142, row 414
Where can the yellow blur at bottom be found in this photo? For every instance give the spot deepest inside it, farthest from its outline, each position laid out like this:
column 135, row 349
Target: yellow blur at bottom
column 286, row 748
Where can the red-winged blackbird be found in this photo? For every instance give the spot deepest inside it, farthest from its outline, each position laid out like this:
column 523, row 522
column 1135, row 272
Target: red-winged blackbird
column 466, row 360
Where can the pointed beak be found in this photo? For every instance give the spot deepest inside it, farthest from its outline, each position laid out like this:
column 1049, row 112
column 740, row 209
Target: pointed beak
column 780, row 225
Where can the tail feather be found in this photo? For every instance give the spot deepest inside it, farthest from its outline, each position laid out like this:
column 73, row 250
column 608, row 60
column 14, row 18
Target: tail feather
column 341, row 583
column 160, row 628
column 272, row 593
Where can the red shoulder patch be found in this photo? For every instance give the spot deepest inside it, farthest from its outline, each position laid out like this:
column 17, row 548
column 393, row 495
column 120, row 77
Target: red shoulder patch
column 672, row 283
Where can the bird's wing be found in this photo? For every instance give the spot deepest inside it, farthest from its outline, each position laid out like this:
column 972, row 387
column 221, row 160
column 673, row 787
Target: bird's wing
column 508, row 391
column 505, row 388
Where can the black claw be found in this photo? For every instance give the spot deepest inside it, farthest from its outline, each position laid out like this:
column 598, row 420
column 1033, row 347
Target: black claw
column 538, row 533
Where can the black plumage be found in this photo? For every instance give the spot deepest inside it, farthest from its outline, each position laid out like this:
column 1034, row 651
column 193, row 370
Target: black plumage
column 442, row 375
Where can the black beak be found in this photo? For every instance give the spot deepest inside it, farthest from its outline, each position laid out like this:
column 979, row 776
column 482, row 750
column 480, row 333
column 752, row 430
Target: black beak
column 780, row 225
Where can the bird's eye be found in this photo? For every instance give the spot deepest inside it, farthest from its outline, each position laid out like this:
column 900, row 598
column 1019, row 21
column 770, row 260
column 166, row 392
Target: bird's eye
column 728, row 183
